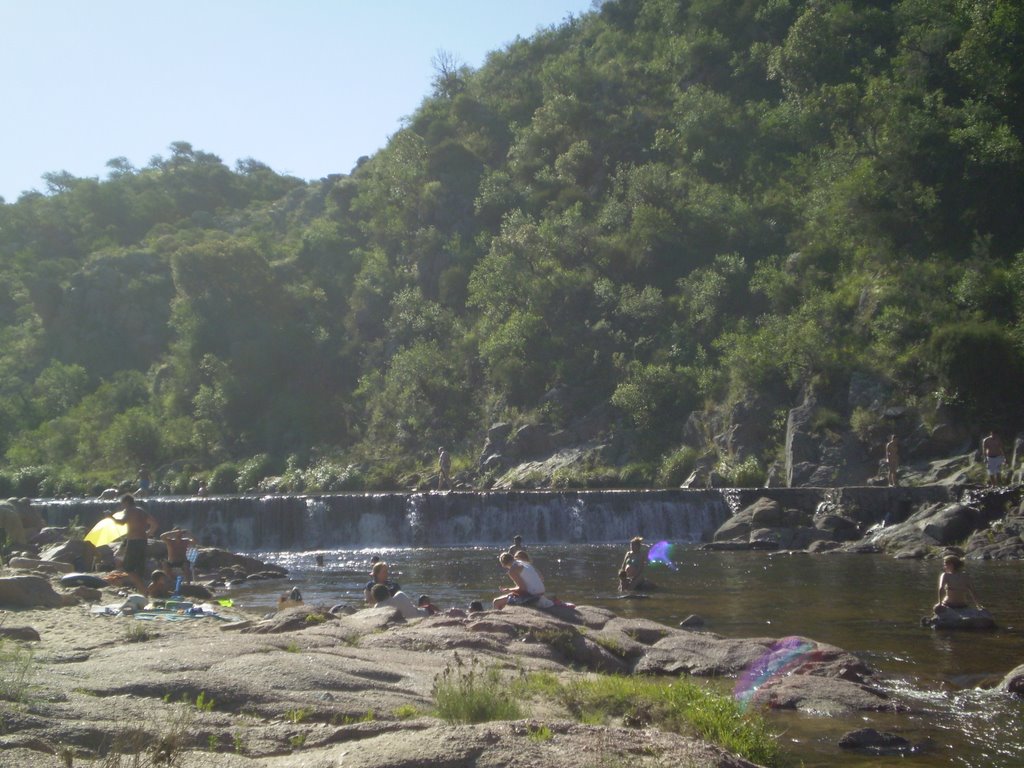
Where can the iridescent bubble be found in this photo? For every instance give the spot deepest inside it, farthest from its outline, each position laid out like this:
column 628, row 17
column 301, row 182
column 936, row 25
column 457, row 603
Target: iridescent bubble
column 782, row 657
column 661, row 554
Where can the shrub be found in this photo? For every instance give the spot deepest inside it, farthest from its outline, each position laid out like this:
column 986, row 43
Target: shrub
column 743, row 474
column 251, row 472
column 677, row 466
column 224, row 479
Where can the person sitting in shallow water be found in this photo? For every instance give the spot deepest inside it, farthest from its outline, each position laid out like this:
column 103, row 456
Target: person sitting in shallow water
column 631, row 572
column 954, row 586
column 380, row 575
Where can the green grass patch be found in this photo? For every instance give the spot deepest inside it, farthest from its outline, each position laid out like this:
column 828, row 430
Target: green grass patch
column 471, row 695
column 678, row 706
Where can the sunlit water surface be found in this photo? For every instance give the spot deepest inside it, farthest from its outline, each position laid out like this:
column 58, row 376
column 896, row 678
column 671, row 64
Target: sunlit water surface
column 870, row 605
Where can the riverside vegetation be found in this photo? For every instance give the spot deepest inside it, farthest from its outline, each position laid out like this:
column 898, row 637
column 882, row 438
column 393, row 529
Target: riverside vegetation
column 653, row 230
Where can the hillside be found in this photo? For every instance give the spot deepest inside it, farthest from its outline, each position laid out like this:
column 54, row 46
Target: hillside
column 652, row 232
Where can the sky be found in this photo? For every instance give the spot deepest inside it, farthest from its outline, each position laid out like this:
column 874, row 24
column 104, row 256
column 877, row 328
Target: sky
column 304, row 86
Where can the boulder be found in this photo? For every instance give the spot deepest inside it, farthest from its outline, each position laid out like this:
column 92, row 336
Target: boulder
column 213, row 559
column 77, row 552
column 31, row 592
column 875, row 742
column 951, row 523
column 960, row 618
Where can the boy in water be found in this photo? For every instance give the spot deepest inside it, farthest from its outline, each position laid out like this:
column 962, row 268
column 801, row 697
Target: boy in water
column 954, row 586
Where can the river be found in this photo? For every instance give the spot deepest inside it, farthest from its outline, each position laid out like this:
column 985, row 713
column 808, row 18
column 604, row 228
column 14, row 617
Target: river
column 867, row 604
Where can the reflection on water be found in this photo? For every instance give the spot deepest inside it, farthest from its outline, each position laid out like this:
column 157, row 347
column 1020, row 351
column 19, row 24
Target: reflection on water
column 867, row 604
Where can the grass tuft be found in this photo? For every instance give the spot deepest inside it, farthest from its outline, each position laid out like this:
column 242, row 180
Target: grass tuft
column 470, row 695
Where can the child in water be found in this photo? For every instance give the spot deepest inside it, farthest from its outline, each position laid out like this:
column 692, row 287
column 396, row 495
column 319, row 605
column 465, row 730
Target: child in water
column 954, row 586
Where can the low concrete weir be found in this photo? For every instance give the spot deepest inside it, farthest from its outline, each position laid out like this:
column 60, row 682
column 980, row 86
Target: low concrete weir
column 325, row 521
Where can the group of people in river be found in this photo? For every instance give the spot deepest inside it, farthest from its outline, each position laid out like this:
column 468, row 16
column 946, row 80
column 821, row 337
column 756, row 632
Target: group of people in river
column 527, row 587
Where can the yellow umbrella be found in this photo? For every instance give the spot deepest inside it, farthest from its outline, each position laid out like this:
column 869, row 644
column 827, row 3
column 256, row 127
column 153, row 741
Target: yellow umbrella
column 106, row 531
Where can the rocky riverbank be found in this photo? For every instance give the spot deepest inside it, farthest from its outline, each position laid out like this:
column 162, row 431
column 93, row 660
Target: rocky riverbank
column 309, row 687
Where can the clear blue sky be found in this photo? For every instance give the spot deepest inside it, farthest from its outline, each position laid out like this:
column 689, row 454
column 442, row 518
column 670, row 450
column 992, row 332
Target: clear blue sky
column 305, row 86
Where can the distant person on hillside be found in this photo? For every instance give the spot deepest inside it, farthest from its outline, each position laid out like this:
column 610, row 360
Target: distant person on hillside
column 992, row 449
column 444, row 468
column 954, row 586
column 380, row 576
column 892, row 459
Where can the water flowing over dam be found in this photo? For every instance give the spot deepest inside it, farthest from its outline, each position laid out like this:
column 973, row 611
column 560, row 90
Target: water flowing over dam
column 295, row 522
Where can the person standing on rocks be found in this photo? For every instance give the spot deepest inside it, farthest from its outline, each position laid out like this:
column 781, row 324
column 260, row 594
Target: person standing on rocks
column 892, row 459
column 141, row 527
column 444, row 468
column 995, row 457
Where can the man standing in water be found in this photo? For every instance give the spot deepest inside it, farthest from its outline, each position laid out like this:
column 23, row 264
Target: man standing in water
column 444, row 468
column 141, row 526
column 992, row 448
column 892, row 459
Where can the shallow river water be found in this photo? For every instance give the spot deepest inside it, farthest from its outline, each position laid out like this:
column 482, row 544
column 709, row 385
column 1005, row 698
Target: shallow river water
column 870, row 605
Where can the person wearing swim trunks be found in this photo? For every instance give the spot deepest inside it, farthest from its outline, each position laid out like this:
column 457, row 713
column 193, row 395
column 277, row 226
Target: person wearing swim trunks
column 954, row 586
column 995, row 457
column 528, row 584
column 141, row 526
column 178, row 542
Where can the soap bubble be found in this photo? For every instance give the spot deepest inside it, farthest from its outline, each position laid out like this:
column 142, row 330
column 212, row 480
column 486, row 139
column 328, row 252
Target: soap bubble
column 783, row 657
column 661, row 554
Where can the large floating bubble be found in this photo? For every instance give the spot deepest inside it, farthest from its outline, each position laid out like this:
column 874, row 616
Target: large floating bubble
column 661, row 554
column 782, row 657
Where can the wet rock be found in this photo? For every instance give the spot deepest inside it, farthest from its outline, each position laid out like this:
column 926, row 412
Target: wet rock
column 960, row 618
column 213, row 559
column 693, row 621
column 875, row 742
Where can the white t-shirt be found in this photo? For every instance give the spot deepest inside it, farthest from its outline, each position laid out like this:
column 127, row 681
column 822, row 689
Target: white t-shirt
column 531, row 579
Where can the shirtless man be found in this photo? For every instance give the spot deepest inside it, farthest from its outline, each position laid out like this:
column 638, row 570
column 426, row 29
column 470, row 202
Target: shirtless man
column 178, row 543
column 892, row 458
column 954, row 586
column 631, row 572
column 992, row 448
column 141, row 526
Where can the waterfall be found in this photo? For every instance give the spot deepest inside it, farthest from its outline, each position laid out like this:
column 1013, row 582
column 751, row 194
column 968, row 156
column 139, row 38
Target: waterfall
column 356, row 520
